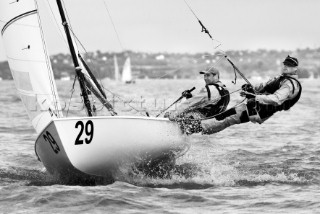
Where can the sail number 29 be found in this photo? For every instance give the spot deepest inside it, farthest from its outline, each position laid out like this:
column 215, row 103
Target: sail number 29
column 88, row 130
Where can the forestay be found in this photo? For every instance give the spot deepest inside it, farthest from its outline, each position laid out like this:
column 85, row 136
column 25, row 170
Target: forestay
column 29, row 61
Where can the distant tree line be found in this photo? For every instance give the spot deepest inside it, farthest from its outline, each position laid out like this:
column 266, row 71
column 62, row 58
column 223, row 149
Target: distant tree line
column 183, row 65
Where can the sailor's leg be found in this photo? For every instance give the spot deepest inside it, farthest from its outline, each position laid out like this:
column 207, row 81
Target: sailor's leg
column 214, row 125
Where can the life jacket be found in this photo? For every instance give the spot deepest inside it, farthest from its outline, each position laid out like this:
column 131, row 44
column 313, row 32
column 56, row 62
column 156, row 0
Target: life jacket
column 213, row 109
column 266, row 111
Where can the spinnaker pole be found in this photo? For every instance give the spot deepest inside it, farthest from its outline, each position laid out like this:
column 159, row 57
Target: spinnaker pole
column 78, row 69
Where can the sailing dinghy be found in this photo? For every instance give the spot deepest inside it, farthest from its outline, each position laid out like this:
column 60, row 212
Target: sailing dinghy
column 78, row 148
column 127, row 72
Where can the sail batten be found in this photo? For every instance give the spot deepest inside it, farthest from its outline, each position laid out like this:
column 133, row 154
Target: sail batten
column 17, row 18
column 26, row 60
column 29, row 61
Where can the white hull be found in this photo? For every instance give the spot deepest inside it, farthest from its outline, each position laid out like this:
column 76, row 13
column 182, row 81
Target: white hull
column 73, row 148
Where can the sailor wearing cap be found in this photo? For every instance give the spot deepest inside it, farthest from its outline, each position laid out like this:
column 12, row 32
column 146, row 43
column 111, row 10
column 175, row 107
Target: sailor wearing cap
column 278, row 94
column 209, row 101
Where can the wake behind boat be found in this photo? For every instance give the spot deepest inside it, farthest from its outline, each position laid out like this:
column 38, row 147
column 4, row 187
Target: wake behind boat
column 79, row 148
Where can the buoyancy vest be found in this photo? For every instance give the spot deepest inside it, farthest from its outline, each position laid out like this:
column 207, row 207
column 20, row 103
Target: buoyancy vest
column 213, row 109
column 266, row 111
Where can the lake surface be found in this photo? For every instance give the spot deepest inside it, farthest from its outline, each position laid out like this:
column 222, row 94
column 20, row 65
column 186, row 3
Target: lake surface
column 248, row 168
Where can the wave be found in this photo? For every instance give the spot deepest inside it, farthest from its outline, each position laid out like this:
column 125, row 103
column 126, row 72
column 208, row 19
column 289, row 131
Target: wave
column 29, row 177
column 194, row 176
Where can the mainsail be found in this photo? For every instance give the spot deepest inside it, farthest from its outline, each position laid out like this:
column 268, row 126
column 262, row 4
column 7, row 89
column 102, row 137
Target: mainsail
column 126, row 71
column 29, row 61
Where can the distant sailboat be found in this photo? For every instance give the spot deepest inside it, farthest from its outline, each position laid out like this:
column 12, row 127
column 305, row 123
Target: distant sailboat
column 127, row 72
column 116, row 69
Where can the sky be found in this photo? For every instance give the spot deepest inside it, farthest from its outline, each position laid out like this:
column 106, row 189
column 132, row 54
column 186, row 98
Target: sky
column 170, row 26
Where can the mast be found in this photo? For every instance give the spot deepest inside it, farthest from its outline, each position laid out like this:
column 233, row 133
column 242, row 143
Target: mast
column 92, row 76
column 78, row 69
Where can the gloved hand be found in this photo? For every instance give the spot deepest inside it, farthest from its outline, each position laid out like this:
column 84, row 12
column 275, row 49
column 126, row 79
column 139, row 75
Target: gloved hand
column 247, row 87
column 248, row 91
column 166, row 115
column 187, row 94
column 246, row 94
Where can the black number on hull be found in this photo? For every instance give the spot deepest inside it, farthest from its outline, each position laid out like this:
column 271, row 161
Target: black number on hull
column 78, row 141
column 88, row 131
column 48, row 137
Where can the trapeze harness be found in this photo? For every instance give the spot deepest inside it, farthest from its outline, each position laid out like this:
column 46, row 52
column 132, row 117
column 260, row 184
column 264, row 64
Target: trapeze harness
column 266, row 111
column 213, row 109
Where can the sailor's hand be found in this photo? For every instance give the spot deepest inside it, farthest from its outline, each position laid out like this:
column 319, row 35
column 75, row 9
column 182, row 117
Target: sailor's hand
column 247, row 87
column 172, row 115
column 247, row 94
column 187, row 94
column 166, row 115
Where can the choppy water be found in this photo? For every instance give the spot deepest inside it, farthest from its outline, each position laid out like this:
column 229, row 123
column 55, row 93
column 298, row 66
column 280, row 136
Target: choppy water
column 269, row 168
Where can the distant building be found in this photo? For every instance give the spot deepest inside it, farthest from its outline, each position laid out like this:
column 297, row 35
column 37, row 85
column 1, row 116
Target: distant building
column 160, row 57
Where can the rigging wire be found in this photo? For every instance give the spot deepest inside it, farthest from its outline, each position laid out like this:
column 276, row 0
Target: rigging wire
column 50, row 72
column 204, row 29
column 122, row 100
column 122, row 48
column 86, row 54
column 78, row 40
column 114, row 27
column 56, row 24
column 72, row 91
column 213, row 116
column 225, row 110
column 64, row 39
column 196, row 106
column 65, row 42
column 173, row 71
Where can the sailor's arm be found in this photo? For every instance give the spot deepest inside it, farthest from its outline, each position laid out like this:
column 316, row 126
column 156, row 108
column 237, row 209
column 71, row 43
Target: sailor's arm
column 197, row 99
column 260, row 86
column 256, row 87
column 278, row 97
